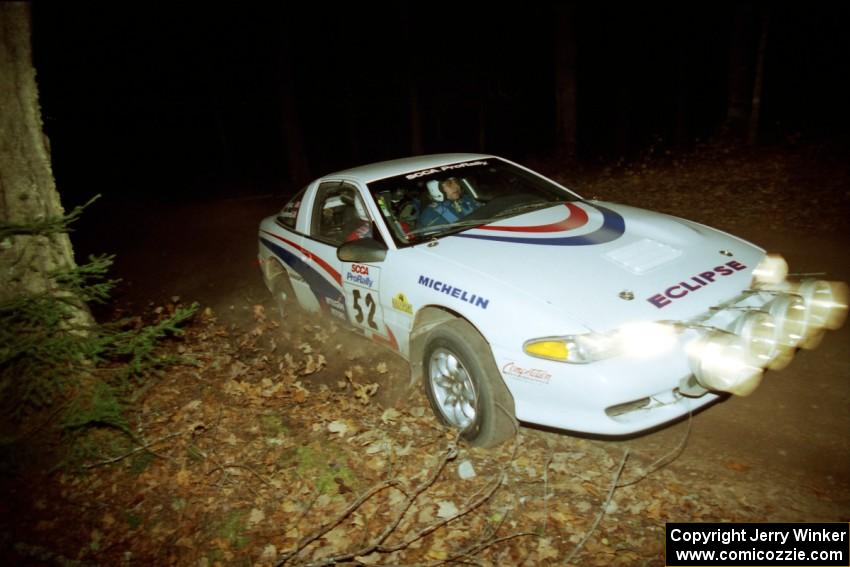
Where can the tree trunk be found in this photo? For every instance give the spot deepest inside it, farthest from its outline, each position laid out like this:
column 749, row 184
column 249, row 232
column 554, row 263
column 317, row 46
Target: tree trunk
column 681, row 130
column 565, row 81
column 755, row 109
column 737, row 101
column 27, row 189
column 298, row 168
column 417, row 146
column 417, row 137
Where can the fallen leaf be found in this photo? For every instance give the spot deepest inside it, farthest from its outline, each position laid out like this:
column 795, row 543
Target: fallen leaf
column 426, row 515
column 339, row 427
column 372, row 559
column 269, row 552
column 390, row 415
column 182, row 477
column 446, row 509
column 397, row 497
column 545, row 549
column 437, row 551
column 364, row 392
column 237, row 369
column 338, row 539
column 737, row 467
column 255, row 517
column 312, row 366
column 378, row 446
column 465, row 470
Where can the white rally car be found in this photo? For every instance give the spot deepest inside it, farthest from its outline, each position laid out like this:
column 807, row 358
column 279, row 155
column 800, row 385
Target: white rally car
column 514, row 298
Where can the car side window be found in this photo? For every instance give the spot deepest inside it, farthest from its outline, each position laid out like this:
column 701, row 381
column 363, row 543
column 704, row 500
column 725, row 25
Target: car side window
column 339, row 215
column 289, row 213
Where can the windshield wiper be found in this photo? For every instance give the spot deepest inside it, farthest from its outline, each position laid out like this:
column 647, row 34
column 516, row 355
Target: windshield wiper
column 527, row 207
column 450, row 226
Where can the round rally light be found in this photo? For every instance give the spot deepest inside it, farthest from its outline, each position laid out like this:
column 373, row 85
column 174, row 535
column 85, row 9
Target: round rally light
column 771, row 270
column 826, row 302
column 758, row 330
column 790, row 314
column 722, row 362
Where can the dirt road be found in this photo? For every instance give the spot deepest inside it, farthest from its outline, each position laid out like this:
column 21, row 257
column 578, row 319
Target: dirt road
column 786, row 447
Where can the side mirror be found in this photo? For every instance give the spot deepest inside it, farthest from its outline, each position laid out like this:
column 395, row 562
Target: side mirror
column 362, row 251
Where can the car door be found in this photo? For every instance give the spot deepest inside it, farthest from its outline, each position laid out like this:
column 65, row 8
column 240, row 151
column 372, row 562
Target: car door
column 339, row 216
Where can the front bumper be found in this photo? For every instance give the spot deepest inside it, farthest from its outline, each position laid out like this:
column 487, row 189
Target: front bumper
column 611, row 397
column 623, row 395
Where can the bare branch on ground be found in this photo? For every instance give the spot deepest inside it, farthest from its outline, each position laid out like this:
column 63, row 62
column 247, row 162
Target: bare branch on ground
column 602, row 510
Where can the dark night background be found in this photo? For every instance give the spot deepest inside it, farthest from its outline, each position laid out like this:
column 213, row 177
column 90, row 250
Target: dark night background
column 196, row 121
column 157, row 101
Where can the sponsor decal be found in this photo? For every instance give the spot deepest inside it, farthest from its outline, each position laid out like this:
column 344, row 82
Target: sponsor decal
column 695, row 283
column 613, row 227
column 528, row 374
column 358, row 279
column 359, row 274
column 455, row 292
column 442, row 168
column 401, row 304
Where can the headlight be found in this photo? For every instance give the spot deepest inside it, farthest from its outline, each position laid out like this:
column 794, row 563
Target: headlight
column 578, row 349
column 646, row 339
column 553, row 349
column 722, row 362
column 632, row 339
column 771, row 270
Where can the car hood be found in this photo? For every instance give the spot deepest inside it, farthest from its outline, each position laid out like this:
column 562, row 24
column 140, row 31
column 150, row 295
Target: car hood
column 603, row 264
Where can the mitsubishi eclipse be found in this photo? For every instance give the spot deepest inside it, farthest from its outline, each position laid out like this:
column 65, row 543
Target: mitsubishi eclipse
column 513, row 298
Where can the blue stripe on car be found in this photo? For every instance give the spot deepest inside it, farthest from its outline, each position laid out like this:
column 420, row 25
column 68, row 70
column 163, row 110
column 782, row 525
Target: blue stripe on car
column 613, row 227
column 320, row 286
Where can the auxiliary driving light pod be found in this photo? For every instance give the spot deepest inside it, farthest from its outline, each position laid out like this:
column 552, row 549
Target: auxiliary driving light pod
column 791, row 317
column 771, row 270
column 758, row 330
column 826, row 302
column 723, row 362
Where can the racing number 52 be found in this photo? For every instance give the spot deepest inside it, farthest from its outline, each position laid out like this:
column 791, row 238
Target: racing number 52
column 370, row 305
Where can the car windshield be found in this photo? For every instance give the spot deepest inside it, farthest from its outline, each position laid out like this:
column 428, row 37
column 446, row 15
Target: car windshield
column 443, row 200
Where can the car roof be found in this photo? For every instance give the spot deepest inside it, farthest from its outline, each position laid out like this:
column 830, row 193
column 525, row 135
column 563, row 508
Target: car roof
column 384, row 169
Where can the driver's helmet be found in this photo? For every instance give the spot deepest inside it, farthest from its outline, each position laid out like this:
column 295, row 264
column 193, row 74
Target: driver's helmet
column 434, row 190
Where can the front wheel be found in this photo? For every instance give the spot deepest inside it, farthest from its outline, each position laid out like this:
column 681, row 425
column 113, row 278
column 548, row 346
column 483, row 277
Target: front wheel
column 464, row 387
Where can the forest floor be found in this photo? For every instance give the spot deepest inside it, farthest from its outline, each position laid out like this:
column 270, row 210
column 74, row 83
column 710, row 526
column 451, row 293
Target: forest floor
column 292, row 443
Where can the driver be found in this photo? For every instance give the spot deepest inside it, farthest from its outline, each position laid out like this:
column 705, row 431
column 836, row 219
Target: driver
column 451, row 204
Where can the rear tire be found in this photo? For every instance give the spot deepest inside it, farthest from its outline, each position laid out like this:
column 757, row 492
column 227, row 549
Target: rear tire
column 283, row 294
column 464, row 386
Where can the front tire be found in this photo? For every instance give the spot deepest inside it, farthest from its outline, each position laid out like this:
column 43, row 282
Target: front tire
column 464, row 386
